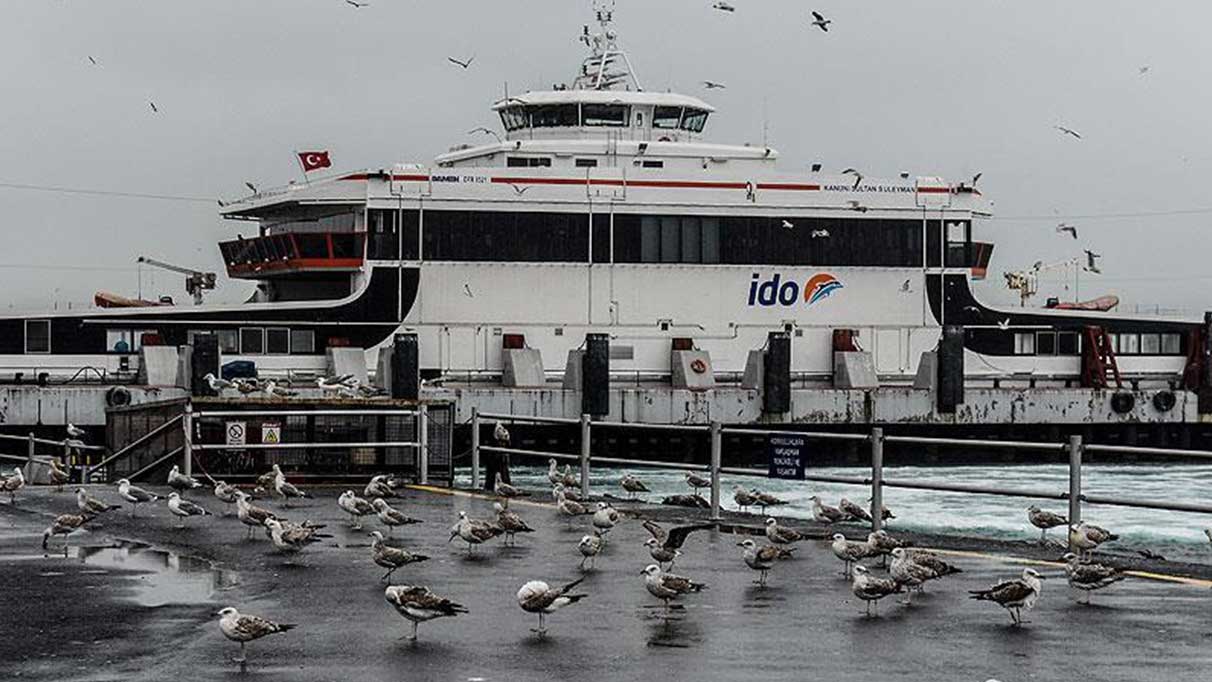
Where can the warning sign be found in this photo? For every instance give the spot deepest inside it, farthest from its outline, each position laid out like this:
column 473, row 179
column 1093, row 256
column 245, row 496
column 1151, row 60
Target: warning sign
column 271, row 433
column 236, row 435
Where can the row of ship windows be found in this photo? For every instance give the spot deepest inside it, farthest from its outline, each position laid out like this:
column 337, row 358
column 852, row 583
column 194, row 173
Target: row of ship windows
column 243, row 341
column 736, row 240
column 1069, row 343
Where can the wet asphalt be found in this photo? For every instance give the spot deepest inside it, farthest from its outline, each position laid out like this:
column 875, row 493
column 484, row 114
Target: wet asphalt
column 140, row 605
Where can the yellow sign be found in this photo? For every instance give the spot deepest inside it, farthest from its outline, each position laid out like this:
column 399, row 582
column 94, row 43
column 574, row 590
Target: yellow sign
column 271, row 434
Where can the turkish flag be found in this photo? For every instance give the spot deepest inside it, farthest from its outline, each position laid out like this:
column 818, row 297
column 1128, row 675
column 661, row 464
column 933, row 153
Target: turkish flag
column 314, row 161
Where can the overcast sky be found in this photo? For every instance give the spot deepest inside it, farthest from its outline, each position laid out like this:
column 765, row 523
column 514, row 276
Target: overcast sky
column 944, row 87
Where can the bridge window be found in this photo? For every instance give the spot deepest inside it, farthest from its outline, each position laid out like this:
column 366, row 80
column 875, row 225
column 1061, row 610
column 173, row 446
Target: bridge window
column 555, row 116
column 666, row 118
column 528, row 161
column 277, row 341
column 252, row 341
column 1171, row 344
column 302, row 341
column 587, row 163
column 37, row 336
column 694, row 120
column 1067, row 343
column 506, row 236
column 610, row 115
column 514, row 118
column 1045, row 343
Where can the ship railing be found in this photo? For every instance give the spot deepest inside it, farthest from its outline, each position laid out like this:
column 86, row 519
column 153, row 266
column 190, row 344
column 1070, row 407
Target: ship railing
column 875, row 482
column 69, row 448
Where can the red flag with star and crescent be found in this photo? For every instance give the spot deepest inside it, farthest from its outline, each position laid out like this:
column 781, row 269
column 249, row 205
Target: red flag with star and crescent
column 313, row 161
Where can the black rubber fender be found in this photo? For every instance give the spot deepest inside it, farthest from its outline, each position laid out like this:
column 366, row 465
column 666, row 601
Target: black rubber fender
column 118, row 396
column 1123, row 402
column 1164, row 401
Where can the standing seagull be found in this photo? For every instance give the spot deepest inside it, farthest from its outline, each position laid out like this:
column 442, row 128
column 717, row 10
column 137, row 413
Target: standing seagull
column 881, row 544
column 605, row 518
column 249, row 514
column 216, row 384
column 849, row 552
column 538, row 597
column 1090, row 577
column 355, row 506
column 744, row 498
column 12, row 485
column 180, row 482
column 57, row 475
column 567, row 507
column 379, row 486
column 418, row 605
column 284, row 489
column 474, row 532
column 665, row 546
column 183, row 508
column 65, row 525
column 780, row 535
column 501, row 435
column 767, row 500
column 290, row 538
column 762, row 558
column 871, row 589
column 134, row 495
column 633, row 485
column 74, row 431
column 243, row 629
column 391, row 517
column 855, row 512
column 1087, row 537
column 510, row 522
column 823, row 513
column 226, row 494
column 821, row 22
column 91, row 505
column 553, row 473
column 507, row 491
column 1044, row 520
column 1013, row 595
column 390, row 557
column 667, row 586
column 590, row 546
column 696, row 481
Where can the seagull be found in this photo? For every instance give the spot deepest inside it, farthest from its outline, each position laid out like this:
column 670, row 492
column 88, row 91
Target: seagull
column 744, row 498
column 881, row 544
column 1092, row 534
column 467, row 290
column 250, row 514
column 180, row 482
column 723, row 7
column 486, row 131
column 931, row 561
column 821, row 22
column 976, row 178
column 462, row 63
column 762, row 558
column 849, row 552
column 357, row 5
column 474, row 532
column 272, row 390
column 1208, row 532
column 553, row 472
column 767, row 500
column 225, row 493
column 379, row 487
column 290, row 538
column 1092, row 261
column 567, row 507
column 819, row 234
column 854, row 511
column 1068, row 131
column 92, row 506
column 696, row 481
column 392, row 517
column 633, row 485
column 665, row 546
column 1003, row 324
column 501, row 435
column 355, row 506
column 216, row 384
column 335, row 383
column 1065, row 227
column 1150, row 554
column 1013, row 595
column 154, row 108
column 134, row 495
column 418, row 605
column 507, row 491
column 510, row 522
column 780, row 535
column 590, row 546
column 183, row 508
column 788, row 225
column 93, row 60
column 538, row 597
column 65, row 525
column 243, row 629
column 12, row 485
column 520, row 189
column 855, row 204
column 712, row 85
column 605, row 518
column 284, row 489
column 1090, row 577
column 1043, row 520
column 246, row 386
column 858, row 177
column 390, row 557
column 570, row 493
column 906, row 287
column 908, row 572
column 57, row 475
column 823, row 513
column 667, row 586
column 567, row 479
column 74, row 431
column 871, row 589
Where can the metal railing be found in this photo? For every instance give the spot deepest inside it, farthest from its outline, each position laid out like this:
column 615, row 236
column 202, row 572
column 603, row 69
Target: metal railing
column 69, row 447
column 876, row 482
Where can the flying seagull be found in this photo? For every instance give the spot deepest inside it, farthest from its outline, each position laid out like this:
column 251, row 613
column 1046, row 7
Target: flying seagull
column 665, row 546
column 712, row 85
column 819, row 234
column 244, row 628
column 462, row 63
column 871, row 589
column 1090, row 577
column 251, row 187
column 418, row 604
column 976, row 178
column 858, row 177
column 723, row 7
column 538, row 597
column 1066, row 227
column 1069, row 131
column 1043, row 520
column 788, row 225
column 355, row 4
column 486, row 131
column 1141, row 71
column 93, row 60
column 1092, row 261
column 762, row 558
column 1003, row 324
column 154, row 108
column 1013, row 595
column 821, row 22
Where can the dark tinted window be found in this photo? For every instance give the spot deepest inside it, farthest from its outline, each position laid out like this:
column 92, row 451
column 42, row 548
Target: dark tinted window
column 587, row 163
column 553, row 115
column 518, row 237
column 37, row 336
column 277, row 341
column 1045, row 343
column 252, row 341
column 694, row 120
column 514, row 118
column 1066, row 343
column 666, row 118
column 615, row 115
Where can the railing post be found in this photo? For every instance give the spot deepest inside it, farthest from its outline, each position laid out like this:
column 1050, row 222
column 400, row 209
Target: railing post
column 1075, row 482
column 717, row 445
column 187, row 443
column 586, row 448
column 475, row 448
column 30, row 451
column 877, row 478
column 423, row 441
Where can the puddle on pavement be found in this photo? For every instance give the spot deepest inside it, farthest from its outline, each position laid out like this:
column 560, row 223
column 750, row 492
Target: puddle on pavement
column 162, row 577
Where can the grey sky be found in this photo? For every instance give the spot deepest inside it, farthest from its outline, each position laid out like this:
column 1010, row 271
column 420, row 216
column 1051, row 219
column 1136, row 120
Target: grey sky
column 931, row 86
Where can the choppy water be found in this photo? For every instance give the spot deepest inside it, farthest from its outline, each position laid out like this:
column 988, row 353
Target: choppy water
column 1176, row 535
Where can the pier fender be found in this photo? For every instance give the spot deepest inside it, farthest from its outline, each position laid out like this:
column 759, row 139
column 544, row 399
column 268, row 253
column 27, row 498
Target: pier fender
column 1164, row 401
column 118, row 396
column 1123, row 402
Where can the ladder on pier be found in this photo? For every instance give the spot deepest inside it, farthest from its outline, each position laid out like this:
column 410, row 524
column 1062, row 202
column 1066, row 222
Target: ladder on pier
column 1099, row 368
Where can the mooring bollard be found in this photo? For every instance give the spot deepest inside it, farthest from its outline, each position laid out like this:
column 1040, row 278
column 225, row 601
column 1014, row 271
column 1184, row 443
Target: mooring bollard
column 423, row 441
column 475, row 448
column 877, row 478
column 717, row 444
column 1075, row 482
column 585, row 452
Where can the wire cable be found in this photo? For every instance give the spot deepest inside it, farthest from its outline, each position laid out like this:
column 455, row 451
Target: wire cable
column 103, row 193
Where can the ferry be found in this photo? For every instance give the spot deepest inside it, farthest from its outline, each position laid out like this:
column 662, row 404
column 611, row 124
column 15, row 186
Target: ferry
column 602, row 207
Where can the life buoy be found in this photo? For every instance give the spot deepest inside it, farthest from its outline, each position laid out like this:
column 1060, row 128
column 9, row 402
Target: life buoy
column 118, row 396
column 1164, row 401
column 698, row 366
column 1123, row 402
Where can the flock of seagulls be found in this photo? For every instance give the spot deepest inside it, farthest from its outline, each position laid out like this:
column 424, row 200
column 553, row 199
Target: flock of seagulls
column 346, row 386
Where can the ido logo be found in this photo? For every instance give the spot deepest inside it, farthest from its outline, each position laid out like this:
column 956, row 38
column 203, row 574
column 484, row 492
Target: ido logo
column 777, row 291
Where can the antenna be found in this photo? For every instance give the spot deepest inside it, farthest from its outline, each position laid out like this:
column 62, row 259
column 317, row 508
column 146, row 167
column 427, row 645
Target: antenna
column 765, row 122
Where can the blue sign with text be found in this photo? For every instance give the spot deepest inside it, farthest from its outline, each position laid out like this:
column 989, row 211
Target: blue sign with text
column 788, row 456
